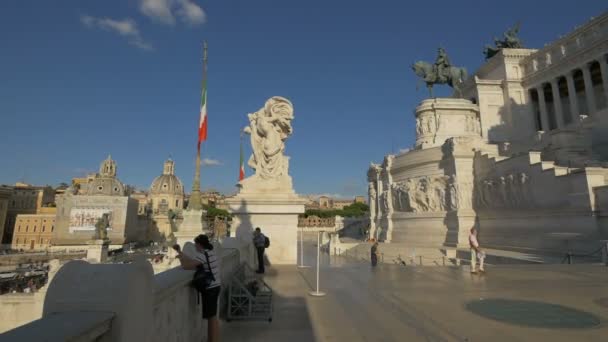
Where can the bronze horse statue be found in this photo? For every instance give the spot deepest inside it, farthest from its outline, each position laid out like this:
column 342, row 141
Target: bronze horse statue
column 454, row 76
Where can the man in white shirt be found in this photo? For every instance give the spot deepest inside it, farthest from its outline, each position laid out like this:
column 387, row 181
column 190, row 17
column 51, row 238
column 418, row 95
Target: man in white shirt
column 475, row 252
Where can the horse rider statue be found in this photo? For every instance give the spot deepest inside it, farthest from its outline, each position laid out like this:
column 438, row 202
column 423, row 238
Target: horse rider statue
column 441, row 72
column 442, row 63
column 510, row 41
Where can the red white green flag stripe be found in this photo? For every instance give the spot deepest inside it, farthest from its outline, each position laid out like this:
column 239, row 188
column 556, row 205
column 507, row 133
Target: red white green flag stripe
column 242, row 164
column 202, row 126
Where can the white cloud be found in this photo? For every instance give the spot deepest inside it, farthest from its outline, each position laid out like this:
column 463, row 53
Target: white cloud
column 210, row 162
column 166, row 11
column 126, row 27
column 404, row 150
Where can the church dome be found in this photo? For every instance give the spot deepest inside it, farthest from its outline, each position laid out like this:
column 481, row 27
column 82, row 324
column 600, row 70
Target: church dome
column 107, row 186
column 167, row 183
column 105, row 182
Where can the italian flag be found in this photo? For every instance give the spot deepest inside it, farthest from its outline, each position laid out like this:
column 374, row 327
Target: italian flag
column 242, row 165
column 202, row 126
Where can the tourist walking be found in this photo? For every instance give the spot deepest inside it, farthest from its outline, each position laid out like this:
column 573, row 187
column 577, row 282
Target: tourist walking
column 207, row 265
column 476, row 252
column 260, row 241
column 374, row 254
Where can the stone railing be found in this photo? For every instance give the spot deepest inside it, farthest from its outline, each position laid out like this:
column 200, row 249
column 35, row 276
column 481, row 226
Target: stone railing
column 316, row 221
column 585, row 37
column 123, row 302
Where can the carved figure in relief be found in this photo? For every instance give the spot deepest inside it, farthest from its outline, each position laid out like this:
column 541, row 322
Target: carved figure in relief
column 384, row 203
column 465, row 193
column 431, row 124
column 372, row 199
column 408, row 195
column 397, row 196
column 477, row 125
column 418, row 127
column 502, row 186
column 488, row 190
column 437, row 199
column 420, row 200
column 510, row 191
column 453, row 190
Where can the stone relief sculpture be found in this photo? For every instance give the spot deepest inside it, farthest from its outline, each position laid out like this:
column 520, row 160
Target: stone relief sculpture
column 372, row 200
column 454, row 193
column 472, row 124
column 511, row 191
column 269, row 127
column 430, row 124
column 424, row 194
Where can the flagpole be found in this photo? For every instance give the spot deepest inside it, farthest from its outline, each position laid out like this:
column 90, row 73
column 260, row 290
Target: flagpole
column 195, row 197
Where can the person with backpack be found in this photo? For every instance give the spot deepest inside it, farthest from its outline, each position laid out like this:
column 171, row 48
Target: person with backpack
column 206, row 280
column 261, row 242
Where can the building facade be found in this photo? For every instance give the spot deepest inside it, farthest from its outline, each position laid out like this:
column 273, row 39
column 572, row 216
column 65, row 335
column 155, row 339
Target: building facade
column 5, row 195
column 25, row 199
column 77, row 214
column 522, row 156
column 34, row 231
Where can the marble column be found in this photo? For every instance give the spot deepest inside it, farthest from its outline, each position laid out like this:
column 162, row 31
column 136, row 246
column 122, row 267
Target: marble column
column 557, row 103
column 604, row 68
column 544, row 116
column 589, row 94
column 572, row 99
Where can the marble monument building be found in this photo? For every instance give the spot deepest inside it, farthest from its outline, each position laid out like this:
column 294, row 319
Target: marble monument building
column 520, row 152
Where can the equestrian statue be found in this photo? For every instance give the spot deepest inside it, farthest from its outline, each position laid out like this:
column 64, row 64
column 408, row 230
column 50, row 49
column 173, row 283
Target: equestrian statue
column 441, row 72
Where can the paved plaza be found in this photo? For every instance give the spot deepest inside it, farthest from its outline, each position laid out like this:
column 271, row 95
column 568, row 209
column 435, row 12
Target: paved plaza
column 397, row 303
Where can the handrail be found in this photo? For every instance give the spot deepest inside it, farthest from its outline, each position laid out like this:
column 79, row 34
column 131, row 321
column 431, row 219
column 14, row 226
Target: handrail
column 569, row 255
column 397, row 259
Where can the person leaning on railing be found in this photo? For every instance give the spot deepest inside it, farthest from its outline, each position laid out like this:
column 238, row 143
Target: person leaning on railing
column 206, row 259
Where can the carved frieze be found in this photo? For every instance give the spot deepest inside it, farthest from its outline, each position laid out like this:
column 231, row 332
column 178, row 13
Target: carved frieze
column 510, row 191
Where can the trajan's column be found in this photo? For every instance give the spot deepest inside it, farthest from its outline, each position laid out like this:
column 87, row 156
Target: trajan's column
column 267, row 199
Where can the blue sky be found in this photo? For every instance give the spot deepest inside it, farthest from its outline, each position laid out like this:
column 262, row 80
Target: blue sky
column 81, row 79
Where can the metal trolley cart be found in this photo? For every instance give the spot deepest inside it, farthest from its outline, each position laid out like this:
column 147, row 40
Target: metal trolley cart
column 249, row 297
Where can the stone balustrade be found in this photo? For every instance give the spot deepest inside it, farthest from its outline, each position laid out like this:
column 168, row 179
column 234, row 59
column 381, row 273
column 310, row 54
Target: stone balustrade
column 124, row 302
column 316, row 221
column 567, row 47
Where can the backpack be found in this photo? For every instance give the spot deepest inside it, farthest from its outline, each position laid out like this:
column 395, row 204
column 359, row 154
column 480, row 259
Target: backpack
column 266, row 242
column 202, row 278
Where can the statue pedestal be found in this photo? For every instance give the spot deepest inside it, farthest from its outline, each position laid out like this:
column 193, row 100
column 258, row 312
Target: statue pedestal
column 97, row 250
column 277, row 216
column 442, row 118
column 192, row 225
